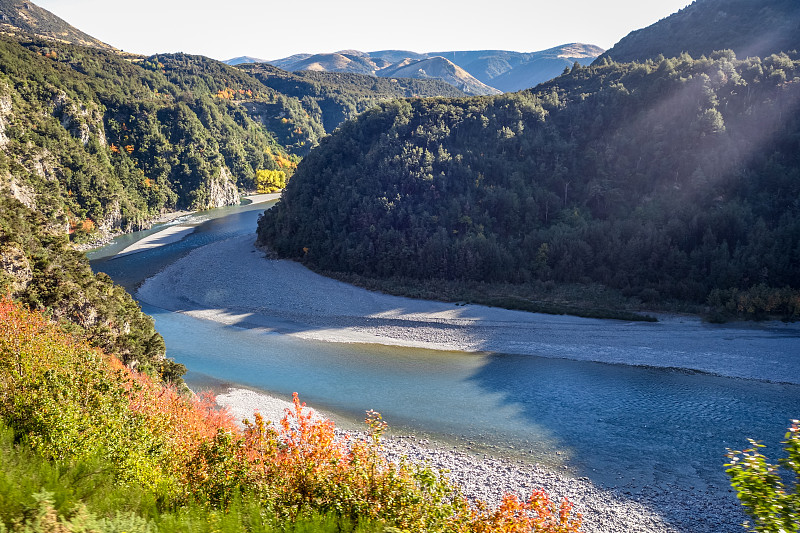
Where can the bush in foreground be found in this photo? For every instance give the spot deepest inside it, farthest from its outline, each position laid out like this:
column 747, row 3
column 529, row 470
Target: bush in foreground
column 70, row 402
column 769, row 498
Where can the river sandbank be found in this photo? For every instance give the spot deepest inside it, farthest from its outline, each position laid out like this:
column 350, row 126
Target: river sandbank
column 176, row 232
column 234, row 283
column 481, row 477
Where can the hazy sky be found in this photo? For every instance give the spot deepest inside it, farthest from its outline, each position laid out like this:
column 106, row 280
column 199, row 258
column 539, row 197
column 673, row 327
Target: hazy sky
column 271, row 30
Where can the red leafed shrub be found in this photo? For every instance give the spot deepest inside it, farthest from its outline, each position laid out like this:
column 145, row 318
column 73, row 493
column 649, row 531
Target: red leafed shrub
column 69, row 400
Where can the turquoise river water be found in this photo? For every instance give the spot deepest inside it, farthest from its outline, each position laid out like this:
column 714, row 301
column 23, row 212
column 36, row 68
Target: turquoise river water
column 616, row 424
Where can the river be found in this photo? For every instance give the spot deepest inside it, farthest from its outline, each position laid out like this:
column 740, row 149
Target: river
column 616, row 424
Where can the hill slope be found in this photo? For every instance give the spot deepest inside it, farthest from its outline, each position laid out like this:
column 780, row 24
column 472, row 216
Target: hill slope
column 333, row 97
column 25, row 16
column 755, row 28
column 663, row 181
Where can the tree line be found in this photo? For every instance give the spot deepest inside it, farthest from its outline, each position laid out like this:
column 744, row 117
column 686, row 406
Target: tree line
column 665, row 179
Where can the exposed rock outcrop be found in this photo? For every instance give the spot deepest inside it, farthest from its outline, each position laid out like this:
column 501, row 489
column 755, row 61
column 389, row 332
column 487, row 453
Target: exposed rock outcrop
column 222, row 190
column 15, row 267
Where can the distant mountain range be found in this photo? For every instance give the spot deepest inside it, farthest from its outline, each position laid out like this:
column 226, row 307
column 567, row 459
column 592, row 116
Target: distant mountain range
column 26, row 16
column 476, row 72
column 751, row 28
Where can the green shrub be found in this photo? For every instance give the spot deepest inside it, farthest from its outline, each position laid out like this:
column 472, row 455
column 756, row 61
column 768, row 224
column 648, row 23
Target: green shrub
column 769, row 498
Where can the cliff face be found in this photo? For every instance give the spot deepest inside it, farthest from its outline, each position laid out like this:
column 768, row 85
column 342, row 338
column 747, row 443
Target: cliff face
column 222, row 190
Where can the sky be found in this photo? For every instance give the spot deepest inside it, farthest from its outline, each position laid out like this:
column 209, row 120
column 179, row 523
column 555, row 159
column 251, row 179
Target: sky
column 271, row 30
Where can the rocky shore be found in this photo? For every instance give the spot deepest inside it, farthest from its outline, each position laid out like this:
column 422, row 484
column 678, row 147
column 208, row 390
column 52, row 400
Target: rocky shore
column 481, row 477
column 234, row 283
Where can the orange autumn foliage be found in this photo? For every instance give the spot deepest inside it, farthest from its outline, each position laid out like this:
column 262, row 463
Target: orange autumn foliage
column 538, row 513
column 69, row 400
column 284, row 162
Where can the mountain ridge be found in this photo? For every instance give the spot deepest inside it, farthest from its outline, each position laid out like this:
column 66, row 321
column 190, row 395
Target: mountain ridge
column 27, row 17
column 356, row 62
column 754, row 28
column 500, row 70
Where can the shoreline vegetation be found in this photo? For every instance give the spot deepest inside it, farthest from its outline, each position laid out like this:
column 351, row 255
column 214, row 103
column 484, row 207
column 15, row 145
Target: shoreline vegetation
column 80, row 409
column 585, row 301
column 484, row 477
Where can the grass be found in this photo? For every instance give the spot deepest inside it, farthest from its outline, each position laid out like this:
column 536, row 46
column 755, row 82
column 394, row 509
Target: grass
column 38, row 495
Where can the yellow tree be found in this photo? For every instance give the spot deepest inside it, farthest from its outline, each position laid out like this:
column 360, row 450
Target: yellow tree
column 268, row 181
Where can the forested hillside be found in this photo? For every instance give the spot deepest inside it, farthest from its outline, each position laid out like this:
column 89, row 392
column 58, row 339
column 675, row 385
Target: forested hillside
column 751, row 28
column 108, row 142
column 330, row 98
column 39, row 268
column 677, row 179
column 92, row 140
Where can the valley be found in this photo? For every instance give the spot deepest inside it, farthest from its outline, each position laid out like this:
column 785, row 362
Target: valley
column 562, row 284
column 551, row 394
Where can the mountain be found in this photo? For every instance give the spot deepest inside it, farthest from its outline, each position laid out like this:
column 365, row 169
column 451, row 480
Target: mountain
column 675, row 180
column 419, row 67
column 515, row 71
column 755, row 28
column 99, row 143
column 438, row 67
column 493, row 70
column 25, row 16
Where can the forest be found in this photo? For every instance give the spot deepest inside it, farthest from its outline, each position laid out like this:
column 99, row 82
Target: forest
column 749, row 28
column 666, row 180
column 333, row 97
column 103, row 142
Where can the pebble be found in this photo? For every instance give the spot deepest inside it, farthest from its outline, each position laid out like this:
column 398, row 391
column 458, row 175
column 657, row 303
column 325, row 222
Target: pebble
column 656, row 508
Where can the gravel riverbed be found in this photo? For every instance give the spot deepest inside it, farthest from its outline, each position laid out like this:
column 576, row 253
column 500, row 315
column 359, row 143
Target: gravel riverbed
column 233, row 283
column 479, row 476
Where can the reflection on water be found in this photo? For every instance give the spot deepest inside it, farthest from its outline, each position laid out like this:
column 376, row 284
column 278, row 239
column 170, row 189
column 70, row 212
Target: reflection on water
column 613, row 423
